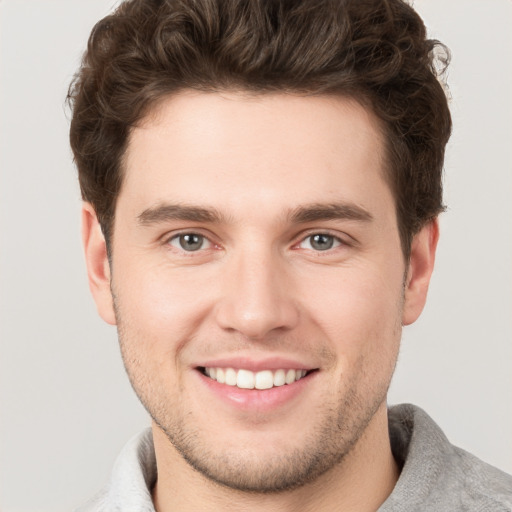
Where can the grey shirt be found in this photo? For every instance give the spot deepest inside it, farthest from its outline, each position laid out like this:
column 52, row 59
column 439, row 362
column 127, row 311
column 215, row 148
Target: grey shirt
column 436, row 476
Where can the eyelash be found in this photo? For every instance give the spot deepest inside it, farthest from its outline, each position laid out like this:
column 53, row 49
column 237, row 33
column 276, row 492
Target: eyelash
column 336, row 241
column 177, row 237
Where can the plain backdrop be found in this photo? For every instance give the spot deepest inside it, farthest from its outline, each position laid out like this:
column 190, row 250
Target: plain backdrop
column 66, row 405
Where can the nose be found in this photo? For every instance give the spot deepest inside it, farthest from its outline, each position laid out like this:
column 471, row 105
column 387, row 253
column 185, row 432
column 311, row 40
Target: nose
column 257, row 297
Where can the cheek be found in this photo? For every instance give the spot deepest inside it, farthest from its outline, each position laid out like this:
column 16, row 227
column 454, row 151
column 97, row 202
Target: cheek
column 358, row 309
column 158, row 312
column 361, row 319
column 161, row 298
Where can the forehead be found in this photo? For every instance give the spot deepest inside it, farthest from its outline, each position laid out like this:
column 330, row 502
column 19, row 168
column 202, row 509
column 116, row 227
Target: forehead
column 270, row 150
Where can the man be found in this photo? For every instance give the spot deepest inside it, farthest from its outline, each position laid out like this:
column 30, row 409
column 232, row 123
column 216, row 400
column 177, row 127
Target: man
column 261, row 185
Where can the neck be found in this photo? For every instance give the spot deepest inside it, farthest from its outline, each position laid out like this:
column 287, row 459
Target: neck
column 360, row 482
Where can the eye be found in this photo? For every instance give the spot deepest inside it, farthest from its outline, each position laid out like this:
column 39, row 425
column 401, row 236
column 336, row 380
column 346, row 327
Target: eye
column 320, row 242
column 190, row 242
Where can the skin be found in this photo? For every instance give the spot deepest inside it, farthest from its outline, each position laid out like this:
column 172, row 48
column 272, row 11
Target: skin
column 269, row 167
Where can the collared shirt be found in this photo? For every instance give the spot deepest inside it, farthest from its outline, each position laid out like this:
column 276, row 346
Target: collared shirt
column 435, row 477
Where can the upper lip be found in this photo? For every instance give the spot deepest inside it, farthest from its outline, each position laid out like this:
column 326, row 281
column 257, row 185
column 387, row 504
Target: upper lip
column 255, row 365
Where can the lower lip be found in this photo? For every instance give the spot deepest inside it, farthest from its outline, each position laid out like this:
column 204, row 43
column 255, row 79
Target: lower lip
column 260, row 400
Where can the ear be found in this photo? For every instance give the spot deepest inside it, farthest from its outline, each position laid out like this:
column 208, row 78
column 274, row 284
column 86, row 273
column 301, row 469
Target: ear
column 421, row 265
column 98, row 267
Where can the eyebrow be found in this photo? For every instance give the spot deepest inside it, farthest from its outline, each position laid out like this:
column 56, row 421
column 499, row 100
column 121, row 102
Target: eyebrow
column 331, row 211
column 167, row 212
column 300, row 215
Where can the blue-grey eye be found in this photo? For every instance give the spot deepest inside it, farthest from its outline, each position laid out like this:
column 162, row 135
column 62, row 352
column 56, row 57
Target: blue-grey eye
column 189, row 242
column 320, row 242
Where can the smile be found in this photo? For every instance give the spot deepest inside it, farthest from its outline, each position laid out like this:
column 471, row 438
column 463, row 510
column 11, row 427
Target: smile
column 246, row 379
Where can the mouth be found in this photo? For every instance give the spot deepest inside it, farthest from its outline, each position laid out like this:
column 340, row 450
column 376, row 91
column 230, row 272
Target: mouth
column 247, row 379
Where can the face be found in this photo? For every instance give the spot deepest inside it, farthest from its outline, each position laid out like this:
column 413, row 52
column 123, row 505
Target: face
column 257, row 280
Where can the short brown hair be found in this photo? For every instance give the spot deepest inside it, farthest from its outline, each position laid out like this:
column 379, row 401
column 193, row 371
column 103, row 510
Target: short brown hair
column 375, row 51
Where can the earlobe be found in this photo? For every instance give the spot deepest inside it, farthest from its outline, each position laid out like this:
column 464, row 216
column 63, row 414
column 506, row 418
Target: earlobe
column 421, row 265
column 98, row 267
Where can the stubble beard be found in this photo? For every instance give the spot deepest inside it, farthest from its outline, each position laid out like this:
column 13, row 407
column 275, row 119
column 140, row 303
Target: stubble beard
column 258, row 472
column 327, row 445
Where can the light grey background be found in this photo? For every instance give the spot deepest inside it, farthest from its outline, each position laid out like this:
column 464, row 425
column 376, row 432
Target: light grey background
column 66, row 405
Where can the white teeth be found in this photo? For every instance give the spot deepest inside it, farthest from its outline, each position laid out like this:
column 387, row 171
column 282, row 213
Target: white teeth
column 230, row 377
column 264, row 380
column 245, row 379
column 220, row 375
column 299, row 374
column 290, row 376
column 279, row 378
